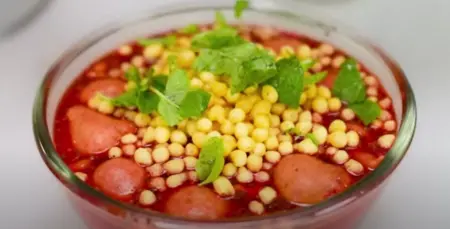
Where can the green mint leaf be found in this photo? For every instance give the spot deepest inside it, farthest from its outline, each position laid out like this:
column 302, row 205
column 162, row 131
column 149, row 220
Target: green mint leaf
column 289, row 81
column 221, row 21
column 313, row 138
column 169, row 111
column 147, row 102
column 348, row 85
column 195, row 103
column 127, row 99
column 190, row 29
column 211, row 160
column 133, row 74
column 254, row 71
column 177, row 86
column 307, row 64
column 316, row 78
column 166, row 41
column 215, row 39
column 367, row 111
column 239, row 7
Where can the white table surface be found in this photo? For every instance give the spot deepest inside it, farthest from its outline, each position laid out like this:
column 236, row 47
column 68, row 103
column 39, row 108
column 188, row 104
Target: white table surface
column 417, row 33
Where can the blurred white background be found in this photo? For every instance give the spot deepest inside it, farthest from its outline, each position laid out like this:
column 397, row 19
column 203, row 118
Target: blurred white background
column 416, row 32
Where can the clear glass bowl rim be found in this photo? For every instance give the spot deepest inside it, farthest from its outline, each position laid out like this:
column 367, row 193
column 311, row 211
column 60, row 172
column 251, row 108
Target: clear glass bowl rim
column 370, row 182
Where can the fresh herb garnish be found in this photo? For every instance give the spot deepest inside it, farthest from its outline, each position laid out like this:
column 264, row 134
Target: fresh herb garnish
column 216, row 39
column 195, row 102
column 367, row 111
column 239, row 7
column 288, row 81
column 211, row 160
column 170, row 96
column 315, row 78
column 307, row 64
column 245, row 63
column 139, row 96
column 190, row 29
column 350, row 87
column 220, row 22
column 166, row 41
column 313, row 138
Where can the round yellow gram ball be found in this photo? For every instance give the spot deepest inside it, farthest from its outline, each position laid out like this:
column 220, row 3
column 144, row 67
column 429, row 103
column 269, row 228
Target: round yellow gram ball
column 261, row 121
column 269, row 93
column 320, row 105
column 261, row 107
column 204, row 125
column 334, row 104
column 227, row 127
column 260, row 134
column 241, row 130
column 219, row 89
column 236, row 115
column 278, row 108
column 337, row 139
column 229, row 143
column 246, row 144
column 216, row 113
column 186, row 58
column 232, row 98
column 324, row 92
column 238, row 158
column 290, row 115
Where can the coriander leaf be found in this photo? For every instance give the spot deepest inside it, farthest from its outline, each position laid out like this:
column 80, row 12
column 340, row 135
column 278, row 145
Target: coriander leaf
column 159, row 82
column 166, row 41
column 177, row 86
column 127, row 99
column 211, row 160
column 216, row 39
column 217, row 62
column 195, row 103
column 348, row 85
column 190, row 29
column 133, row 74
column 239, row 7
column 367, row 111
column 221, row 22
column 147, row 102
column 289, row 81
column 307, row 64
column 169, row 111
column 215, row 171
column 313, row 138
column 258, row 69
column 313, row 79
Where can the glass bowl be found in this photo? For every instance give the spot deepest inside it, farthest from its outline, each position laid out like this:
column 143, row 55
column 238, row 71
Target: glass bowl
column 342, row 211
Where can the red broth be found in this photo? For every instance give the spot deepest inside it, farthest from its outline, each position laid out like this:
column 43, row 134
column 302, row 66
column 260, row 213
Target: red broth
column 368, row 152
